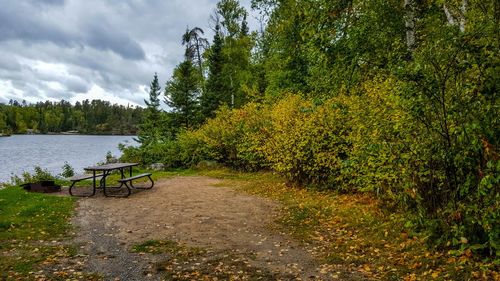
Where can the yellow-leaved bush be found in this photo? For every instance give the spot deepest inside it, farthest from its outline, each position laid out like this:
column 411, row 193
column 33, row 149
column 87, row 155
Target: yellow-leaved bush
column 234, row 137
column 307, row 142
column 380, row 131
column 379, row 138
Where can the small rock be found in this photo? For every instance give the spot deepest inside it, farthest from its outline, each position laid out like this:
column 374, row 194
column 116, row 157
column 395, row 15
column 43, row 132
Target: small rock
column 157, row 166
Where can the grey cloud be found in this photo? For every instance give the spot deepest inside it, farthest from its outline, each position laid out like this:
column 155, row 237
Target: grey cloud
column 6, row 98
column 48, row 2
column 101, row 36
column 7, row 62
column 61, row 94
column 115, row 45
column 22, row 22
column 77, row 85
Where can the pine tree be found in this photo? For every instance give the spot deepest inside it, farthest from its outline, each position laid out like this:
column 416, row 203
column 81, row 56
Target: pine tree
column 244, row 26
column 195, row 45
column 154, row 92
column 150, row 129
column 181, row 94
column 216, row 93
column 228, row 60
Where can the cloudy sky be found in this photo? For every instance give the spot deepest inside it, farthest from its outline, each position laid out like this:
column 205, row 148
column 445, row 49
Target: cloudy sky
column 93, row 49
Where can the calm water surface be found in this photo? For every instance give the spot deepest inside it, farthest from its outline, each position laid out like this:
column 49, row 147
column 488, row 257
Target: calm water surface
column 20, row 153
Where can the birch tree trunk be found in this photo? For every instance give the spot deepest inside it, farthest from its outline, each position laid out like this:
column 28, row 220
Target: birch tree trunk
column 457, row 16
column 449, row 16
column 409, row 7
column 463, row 11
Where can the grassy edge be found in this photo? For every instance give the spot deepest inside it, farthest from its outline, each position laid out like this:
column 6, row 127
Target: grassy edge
column 35, row 231
column 36, row 237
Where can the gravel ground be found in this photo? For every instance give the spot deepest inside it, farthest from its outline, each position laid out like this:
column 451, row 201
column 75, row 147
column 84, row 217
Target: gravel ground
column 193, row 212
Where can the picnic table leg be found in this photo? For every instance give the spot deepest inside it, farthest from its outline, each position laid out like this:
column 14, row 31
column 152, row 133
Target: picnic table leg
column 93, row 178
column 103, row 182
column 93, row 185
column 129, row 191
column 70, row 187
column 122, row 173
column 107, row 173
column 151, row 186
column 73, row 185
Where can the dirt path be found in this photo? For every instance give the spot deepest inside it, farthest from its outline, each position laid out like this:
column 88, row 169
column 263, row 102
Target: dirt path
column 231, row 228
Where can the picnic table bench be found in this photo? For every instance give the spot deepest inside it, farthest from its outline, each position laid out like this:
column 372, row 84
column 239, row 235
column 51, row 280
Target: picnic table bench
column 130, row 179
column 79, row 178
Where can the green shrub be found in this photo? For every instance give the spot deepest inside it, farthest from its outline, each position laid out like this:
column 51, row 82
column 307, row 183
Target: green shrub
column 67, row 170
column 234, row 137
column 185, row 151
column 191, row 148
column 442, row 170
column 153, row 152
column 380, row 134
column 130, row 153
column 447, row 90
column 38, row 175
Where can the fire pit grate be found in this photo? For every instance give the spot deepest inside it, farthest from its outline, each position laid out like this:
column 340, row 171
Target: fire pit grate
column 42, row 187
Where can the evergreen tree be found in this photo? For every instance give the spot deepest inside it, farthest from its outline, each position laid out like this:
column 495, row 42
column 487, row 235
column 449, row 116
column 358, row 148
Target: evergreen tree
column 216, row 92
column 228, row 59
column 195, row 45
column 3, row 124
column 149, row 130
column 154, row 101
column 181, row 94
column 244, row 26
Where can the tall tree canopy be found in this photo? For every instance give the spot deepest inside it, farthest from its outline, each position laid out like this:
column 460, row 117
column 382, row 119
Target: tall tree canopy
column 195, row 45
column 151, row 130
column 181, row 94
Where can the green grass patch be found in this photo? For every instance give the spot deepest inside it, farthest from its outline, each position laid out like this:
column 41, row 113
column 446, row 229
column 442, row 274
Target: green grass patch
column 33, row 216
column 27, row 222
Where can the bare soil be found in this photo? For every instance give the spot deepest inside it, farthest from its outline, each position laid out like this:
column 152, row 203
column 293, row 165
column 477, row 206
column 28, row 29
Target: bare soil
column 191, row 211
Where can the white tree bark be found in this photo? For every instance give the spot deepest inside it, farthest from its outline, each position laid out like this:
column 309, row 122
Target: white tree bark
column 409, row 7
column 449, row 16
column 457, row 16
column 463, row 11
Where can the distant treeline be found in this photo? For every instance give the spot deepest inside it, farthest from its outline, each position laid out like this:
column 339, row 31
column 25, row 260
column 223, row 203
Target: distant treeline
column 87, row 117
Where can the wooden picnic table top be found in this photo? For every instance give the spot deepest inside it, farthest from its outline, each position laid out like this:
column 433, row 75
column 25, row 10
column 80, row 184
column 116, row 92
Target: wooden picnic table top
column 109, row 167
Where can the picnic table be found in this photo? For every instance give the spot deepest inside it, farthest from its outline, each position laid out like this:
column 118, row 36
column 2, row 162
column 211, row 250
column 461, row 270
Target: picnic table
column 103, row 171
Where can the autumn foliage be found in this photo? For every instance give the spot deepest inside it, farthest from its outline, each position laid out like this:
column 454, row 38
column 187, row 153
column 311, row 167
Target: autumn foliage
column 367, row 141
column 398, row 101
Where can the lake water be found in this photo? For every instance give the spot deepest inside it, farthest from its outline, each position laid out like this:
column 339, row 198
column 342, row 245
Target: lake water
column 20, row 153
